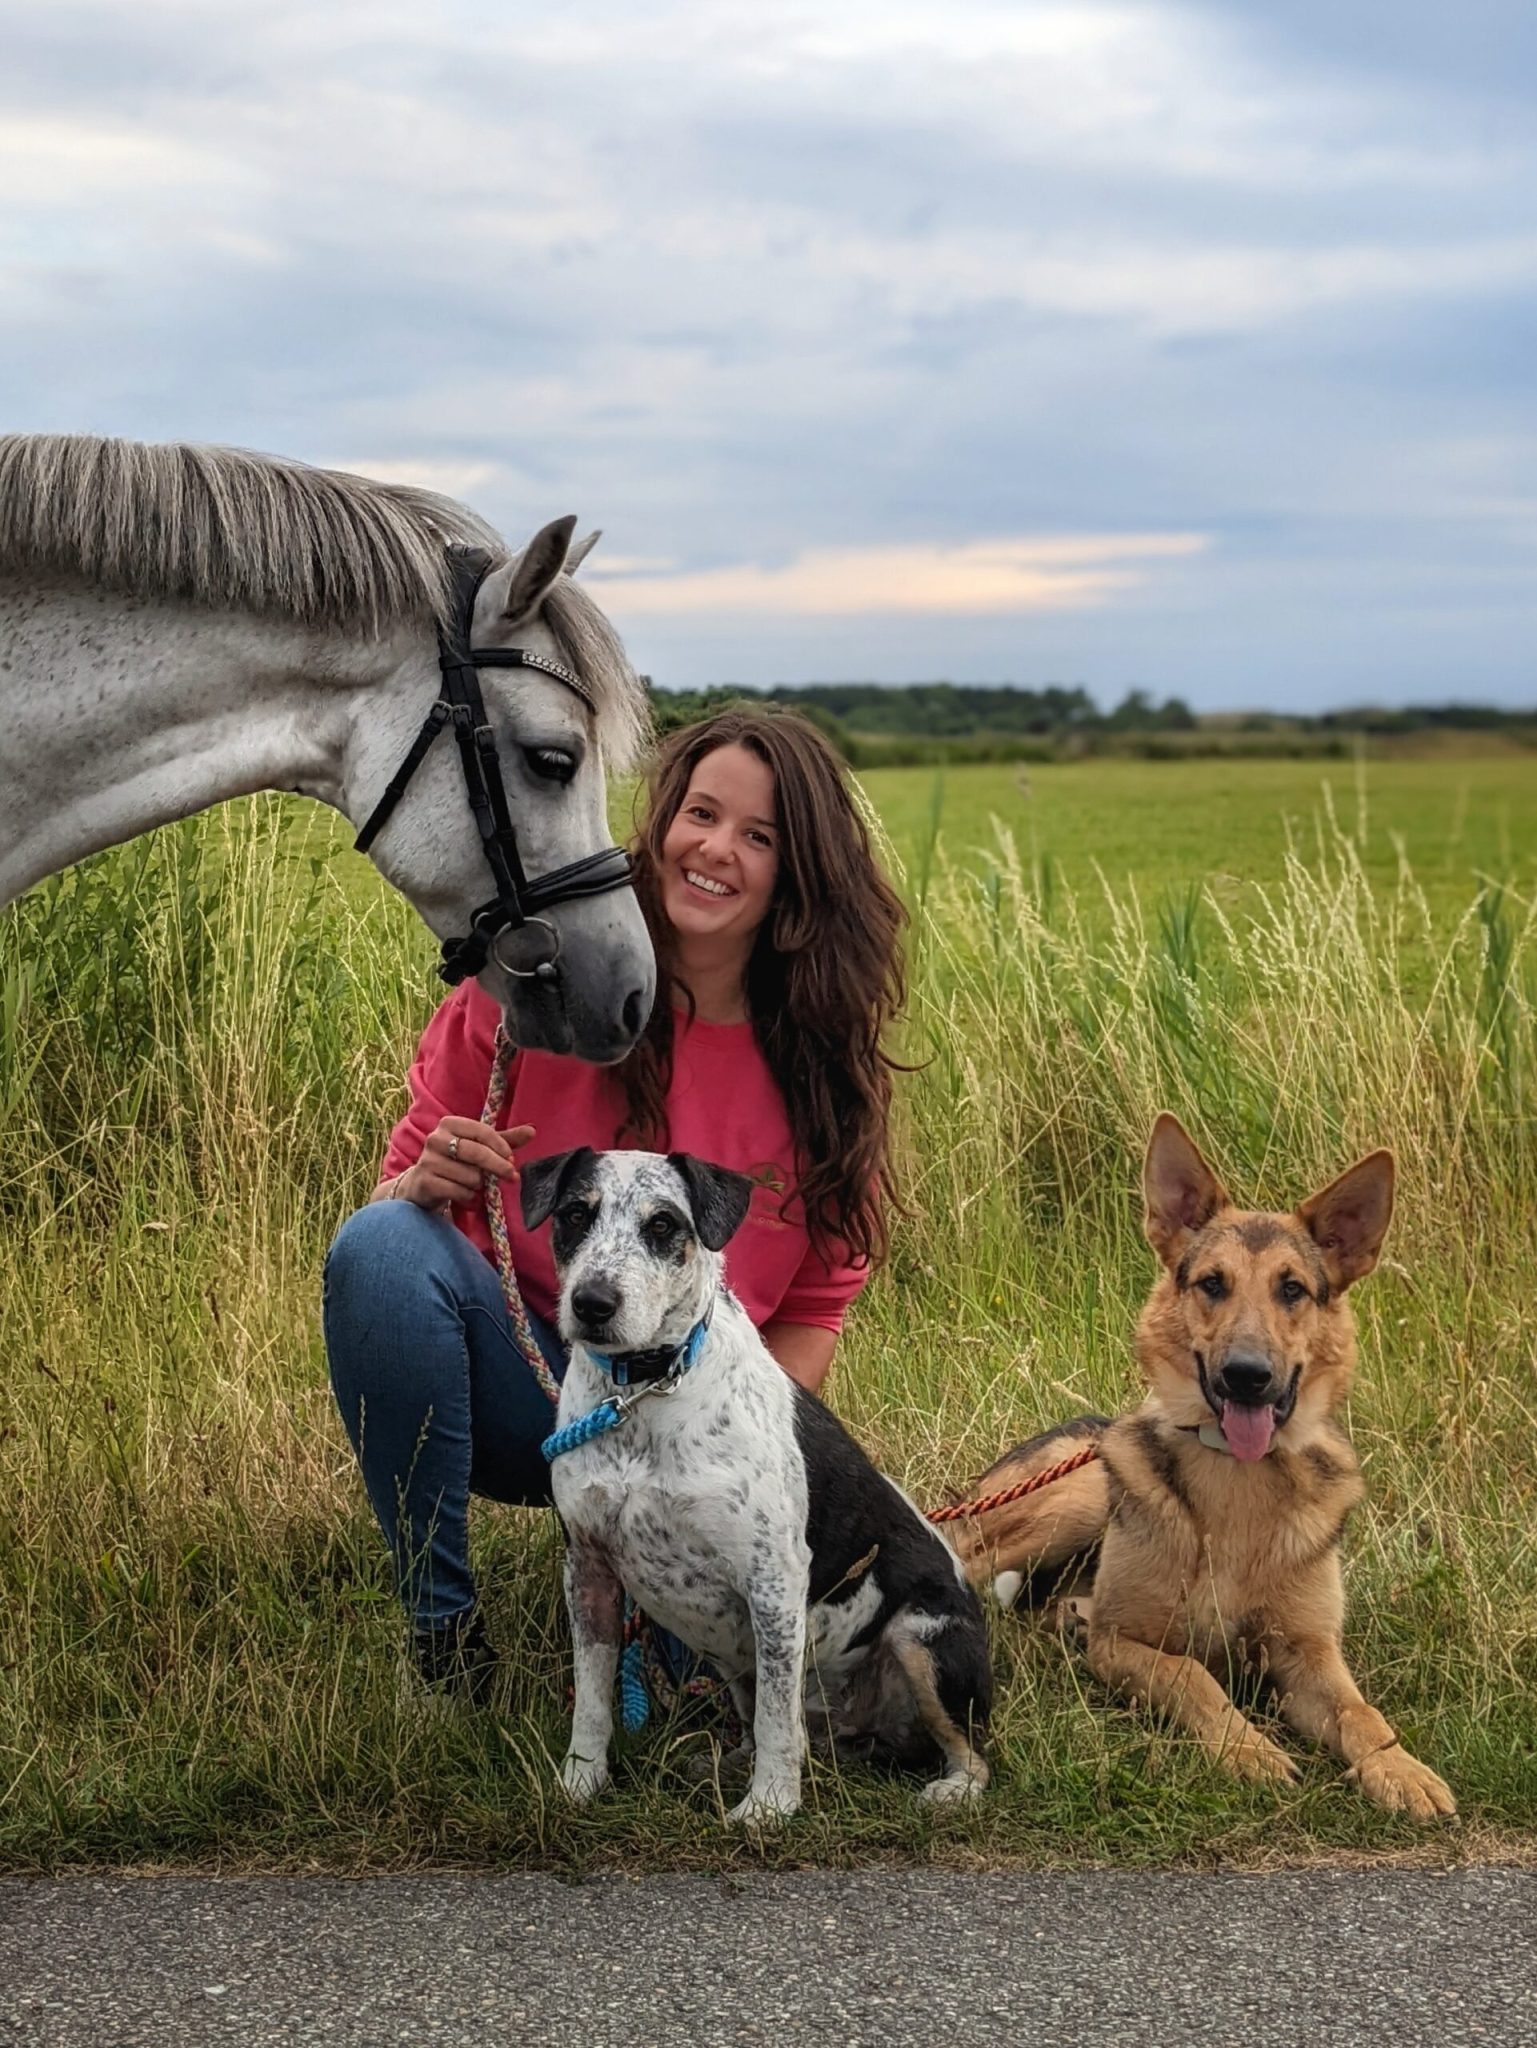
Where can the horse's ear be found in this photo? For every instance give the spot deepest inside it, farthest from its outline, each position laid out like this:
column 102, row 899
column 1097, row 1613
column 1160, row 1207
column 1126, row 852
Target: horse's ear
column 581, row 550
column 536, row 569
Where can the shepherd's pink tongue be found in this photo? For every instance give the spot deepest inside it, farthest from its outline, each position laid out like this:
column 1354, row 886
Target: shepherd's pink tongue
column 1248, row 1430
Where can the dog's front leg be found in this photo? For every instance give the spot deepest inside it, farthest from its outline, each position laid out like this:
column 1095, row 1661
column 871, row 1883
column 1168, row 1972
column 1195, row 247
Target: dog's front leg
column 595, row 1602
column 1321, row 1700
column 1187, row 1694
column 779, row 1722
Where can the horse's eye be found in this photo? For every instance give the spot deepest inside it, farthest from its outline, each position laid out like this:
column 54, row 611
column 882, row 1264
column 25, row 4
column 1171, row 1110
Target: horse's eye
column 550, row 764
column 1212, row 1285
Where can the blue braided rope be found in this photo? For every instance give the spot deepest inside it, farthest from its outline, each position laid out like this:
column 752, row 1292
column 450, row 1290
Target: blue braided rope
column 634, row 1700
column 596, row 1422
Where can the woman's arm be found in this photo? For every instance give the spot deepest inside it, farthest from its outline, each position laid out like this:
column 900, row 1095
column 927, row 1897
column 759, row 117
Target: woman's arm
column 804, row 1350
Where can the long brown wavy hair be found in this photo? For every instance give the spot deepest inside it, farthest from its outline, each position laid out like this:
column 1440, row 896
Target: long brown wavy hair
column 825, row 980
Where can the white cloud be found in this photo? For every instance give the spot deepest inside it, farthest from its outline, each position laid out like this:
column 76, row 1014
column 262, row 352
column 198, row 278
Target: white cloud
column 973, row 579
column 58, row 161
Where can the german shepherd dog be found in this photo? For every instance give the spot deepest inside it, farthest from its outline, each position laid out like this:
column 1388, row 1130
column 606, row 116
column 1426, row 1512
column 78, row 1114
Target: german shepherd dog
column 1210, row 1525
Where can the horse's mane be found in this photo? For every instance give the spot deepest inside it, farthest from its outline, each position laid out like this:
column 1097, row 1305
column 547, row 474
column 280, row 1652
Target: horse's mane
column 226, row 528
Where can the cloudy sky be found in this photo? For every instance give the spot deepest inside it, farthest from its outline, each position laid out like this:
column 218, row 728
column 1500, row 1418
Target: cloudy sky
column 1184, row 347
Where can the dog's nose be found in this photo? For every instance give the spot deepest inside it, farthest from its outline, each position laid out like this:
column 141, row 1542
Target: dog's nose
column 1243, row 1379
column 595, row 1301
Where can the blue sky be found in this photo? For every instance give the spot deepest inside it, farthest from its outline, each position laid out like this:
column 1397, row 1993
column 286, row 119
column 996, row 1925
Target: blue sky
column 1188, row 348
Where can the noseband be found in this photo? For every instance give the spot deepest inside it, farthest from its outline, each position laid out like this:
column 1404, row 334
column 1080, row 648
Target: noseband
column 517, row 901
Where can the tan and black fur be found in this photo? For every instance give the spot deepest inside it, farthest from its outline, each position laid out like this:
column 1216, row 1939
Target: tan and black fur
column 1207, row 1565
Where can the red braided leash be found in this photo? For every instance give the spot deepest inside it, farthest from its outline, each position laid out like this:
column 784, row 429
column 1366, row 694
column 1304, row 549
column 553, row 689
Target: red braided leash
column 989, row 1501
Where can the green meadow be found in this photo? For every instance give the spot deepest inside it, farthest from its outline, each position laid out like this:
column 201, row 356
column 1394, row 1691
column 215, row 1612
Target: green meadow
column 202, row 1042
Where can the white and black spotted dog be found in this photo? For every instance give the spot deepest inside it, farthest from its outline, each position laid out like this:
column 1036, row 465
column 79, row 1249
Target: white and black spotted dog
column 731, row 1505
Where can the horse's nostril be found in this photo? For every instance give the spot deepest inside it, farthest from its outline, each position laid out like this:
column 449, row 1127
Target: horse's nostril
column 633, row 1014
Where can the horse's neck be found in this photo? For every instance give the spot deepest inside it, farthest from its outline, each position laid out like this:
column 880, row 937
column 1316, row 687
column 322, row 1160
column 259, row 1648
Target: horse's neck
column 119, row 716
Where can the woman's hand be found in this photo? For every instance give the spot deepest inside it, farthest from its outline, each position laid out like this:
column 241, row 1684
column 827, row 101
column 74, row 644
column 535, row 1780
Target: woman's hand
column 453, row 1159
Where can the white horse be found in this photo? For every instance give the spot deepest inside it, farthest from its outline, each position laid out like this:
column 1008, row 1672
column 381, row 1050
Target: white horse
column 179, row 625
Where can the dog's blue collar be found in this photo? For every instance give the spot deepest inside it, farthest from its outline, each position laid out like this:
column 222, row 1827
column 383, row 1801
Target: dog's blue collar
column 646, row 1368
column 610, row 1413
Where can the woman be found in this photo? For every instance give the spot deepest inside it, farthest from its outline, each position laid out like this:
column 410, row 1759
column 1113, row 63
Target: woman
column 780, row 943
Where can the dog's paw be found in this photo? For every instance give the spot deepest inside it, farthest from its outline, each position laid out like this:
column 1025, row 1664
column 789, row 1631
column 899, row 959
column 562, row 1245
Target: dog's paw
column 1007, row 1588
column 1403, row 1784
column 583, row 1776
column 1073, row 1617
column 765, row 1806
column 954, row 1789
column 1257, row 1758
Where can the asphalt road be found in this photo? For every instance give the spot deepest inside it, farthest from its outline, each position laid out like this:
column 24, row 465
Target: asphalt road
column 881, row 1958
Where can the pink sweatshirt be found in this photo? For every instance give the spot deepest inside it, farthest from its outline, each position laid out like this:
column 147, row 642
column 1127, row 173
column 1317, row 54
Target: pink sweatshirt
column 724, row 1105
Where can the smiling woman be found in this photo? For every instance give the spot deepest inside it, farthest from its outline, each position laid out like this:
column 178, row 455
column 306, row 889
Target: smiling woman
column 779, row 958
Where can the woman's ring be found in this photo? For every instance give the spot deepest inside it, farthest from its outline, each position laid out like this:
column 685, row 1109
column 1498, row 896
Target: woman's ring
column 453, row 1144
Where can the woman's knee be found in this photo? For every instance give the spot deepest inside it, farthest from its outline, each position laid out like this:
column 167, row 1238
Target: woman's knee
column 387, row 1246
column 388, row 1287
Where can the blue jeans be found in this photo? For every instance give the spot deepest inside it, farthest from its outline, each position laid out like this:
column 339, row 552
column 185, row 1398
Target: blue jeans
column 434, row 1393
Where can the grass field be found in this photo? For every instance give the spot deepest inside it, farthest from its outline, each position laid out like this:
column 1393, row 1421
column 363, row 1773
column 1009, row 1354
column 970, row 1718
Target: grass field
column 201, row 1043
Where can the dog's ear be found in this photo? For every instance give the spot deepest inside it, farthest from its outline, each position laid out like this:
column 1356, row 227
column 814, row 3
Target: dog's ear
column 1182, row 1192
column 542, row 1182
column 1349, row 1218
column 717, row 1196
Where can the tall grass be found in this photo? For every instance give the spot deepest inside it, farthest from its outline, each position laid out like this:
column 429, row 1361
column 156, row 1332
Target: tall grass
column 201, row 1044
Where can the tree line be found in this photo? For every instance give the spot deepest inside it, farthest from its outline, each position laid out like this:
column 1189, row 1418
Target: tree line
column 883, row 724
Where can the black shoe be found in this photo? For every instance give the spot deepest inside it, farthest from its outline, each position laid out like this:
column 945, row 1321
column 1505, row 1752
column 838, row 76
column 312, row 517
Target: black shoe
column 457, row 1659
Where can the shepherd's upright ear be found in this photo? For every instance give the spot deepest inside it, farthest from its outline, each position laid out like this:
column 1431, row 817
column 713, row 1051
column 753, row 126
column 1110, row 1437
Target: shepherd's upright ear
column 1182, row 1192
column 534, row 571
column 1349, row 1218
column 543, row 1182
column 717, row 1196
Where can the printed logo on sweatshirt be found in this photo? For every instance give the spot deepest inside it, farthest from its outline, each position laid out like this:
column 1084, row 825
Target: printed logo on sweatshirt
column 770, row 1180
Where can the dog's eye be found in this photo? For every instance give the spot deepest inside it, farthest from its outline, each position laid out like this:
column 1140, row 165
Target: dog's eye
column 1212, row 1285
column 575, row 1216
column 1292, row 1291
column 550, row 764
column 660, row 1231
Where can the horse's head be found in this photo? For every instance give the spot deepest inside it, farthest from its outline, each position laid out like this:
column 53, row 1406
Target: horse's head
column 553, row 740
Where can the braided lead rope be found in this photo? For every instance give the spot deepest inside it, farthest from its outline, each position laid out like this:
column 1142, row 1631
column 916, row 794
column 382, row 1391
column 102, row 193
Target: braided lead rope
column 634, row 1698
column 989, row 1501
column 596, row 1422
column 496, row 1219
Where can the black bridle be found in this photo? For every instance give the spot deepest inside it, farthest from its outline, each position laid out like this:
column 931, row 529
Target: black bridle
column 461, row 705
